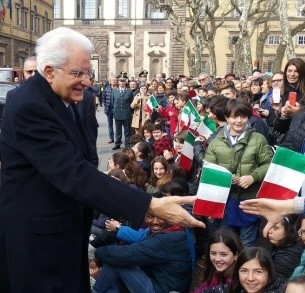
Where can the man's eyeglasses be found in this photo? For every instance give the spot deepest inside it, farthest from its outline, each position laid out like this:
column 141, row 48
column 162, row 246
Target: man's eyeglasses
column 276, row 80
column 202, row 79
column 78, row 73
column 301, row 231
column 30, row 71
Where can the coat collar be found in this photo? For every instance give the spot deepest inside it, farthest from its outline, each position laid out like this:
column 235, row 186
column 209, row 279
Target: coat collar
column 75, row 129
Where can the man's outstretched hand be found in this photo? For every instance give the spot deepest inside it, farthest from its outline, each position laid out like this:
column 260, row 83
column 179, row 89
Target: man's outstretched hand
column 271, row 209
column 169, row 209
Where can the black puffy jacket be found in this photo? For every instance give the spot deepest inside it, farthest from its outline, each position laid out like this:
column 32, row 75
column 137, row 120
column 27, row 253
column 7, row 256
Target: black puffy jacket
column 296, row 133
column 286, row 259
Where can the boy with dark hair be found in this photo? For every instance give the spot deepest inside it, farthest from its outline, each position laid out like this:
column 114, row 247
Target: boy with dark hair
column 162, row 140
column 228, row 90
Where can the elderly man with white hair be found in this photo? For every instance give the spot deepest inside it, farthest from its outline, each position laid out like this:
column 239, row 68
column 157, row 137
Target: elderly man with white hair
column 50, row 185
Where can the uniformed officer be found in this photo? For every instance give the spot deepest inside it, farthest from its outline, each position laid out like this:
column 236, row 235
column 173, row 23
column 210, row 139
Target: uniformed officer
column 122, row 98
column 143, row 76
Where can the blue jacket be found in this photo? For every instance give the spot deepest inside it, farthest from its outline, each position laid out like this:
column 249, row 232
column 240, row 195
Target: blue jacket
column 164, row 257
column 108, row 106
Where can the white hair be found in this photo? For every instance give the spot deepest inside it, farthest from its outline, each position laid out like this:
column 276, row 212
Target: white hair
column 53, row 47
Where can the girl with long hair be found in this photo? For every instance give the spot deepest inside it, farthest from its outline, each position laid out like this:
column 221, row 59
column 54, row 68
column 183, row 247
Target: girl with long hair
column 222, row 251
column 160, row 174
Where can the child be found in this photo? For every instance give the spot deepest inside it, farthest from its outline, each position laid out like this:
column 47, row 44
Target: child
column 222, row 251
column 162, row 140
column 160, row 174
column 286, row 247
column 201, row 109
column 183, row 98
column 171, row 112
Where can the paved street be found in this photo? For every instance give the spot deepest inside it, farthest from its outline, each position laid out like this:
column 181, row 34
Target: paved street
column 103, row 148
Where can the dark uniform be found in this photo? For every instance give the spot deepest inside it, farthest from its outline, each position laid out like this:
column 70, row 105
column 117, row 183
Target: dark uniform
column 122, row 97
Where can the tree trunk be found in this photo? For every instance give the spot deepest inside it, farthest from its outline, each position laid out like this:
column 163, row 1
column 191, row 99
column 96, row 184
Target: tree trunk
column 287, row 39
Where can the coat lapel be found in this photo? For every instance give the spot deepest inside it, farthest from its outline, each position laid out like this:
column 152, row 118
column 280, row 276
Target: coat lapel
column 75, row 129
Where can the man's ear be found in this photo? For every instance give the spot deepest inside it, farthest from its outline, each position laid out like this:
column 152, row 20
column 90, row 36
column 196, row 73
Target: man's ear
column 49, row 73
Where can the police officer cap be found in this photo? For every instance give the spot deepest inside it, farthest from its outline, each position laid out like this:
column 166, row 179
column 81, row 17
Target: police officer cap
column 143, row 73
column 122, row 75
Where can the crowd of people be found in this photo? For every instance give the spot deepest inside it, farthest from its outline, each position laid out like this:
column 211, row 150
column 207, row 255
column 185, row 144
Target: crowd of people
column 252, row 116
column 136, row 222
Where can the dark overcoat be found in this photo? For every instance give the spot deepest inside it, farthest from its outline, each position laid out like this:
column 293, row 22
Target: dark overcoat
column 49, row 189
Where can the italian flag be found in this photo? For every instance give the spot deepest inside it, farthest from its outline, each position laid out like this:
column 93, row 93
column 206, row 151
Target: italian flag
column 2, row 10
column 285, row 175
column 213, row 191
column 150, row 105
column 187, row 153
column 206, row 128
column 189, row 116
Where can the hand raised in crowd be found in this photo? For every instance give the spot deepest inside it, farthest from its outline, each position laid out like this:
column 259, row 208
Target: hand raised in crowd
column 168, row 155
column 168, row 208
column 275, row 106
column 273, row 210
column 289, row 109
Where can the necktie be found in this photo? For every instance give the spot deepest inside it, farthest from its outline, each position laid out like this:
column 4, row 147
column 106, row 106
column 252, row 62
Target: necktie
column 71, row 112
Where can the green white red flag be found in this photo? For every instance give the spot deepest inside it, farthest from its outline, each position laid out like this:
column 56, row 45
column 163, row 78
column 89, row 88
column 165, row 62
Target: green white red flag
column 187, row 153
column 285, row 175
column 206, row 128
column 150, row 104
column 213, row 191
column 2, row 10
column 189, row 117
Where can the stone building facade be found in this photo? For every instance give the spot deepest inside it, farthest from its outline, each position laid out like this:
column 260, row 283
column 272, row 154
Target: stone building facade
column 21, row 27
column 131, row 35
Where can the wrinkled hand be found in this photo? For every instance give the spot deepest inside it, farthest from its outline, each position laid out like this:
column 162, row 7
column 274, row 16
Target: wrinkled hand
column 273, row 210
column 245, row 181
column 111, row 225
column 168, row 208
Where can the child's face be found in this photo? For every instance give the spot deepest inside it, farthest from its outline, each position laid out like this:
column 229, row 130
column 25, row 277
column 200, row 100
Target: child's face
column 277, row 234
column 202, row 93
column 178, row 146
column 171, row 98
column 160, row 89
column 157, row 134
column 199, row 106
column 181, row 104
column 147, row 135
column 159, row 170
column 176, row 104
